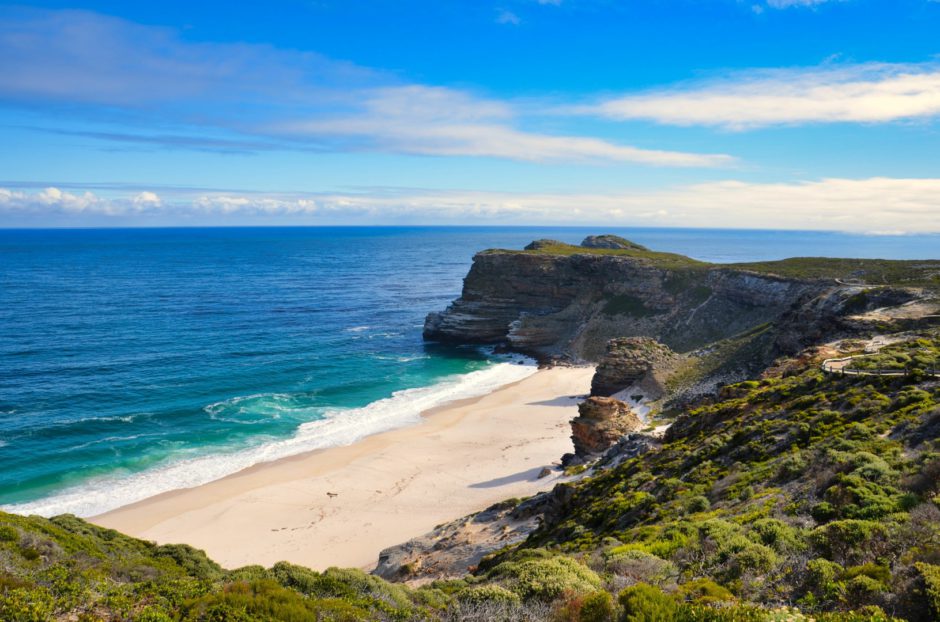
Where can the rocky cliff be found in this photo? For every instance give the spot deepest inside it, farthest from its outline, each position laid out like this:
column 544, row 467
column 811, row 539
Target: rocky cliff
column 601, row 422
column 555, row 300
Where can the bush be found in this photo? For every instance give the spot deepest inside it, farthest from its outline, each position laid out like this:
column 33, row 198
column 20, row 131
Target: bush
column 597, row 607
column 704, row 591
column 267, row 600
column 546, row 578
column 645, row 603
column 640, row 567
column 26, row 605
column 699, row 503
column 697, row 612
column 823, row 579
column 775, row 534
column 490, row 594
column 9, row 533
column 931, row 577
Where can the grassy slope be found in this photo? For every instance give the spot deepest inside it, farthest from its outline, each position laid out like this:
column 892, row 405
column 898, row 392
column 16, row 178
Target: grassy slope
column 924, row 273
column 799, row 488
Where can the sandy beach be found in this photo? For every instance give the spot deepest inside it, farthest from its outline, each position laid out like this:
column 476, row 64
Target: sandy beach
column 342, row 506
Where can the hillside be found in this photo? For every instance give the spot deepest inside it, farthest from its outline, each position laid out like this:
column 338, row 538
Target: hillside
column 559, row 302
column 794, row 494
column 798, row 488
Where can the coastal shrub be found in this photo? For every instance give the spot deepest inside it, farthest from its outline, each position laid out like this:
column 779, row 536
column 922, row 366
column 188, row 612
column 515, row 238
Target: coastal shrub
column 368, row 587
column 546, row 578
column 640, row 567
column 26, row 605
column 776, row 534
column 267, row 600
column 646, row 603
column 152, row 614
column 250, row 573
column 704, row 591
column 823, row 579
column 597, row 607
column 930, row 575
column 193, row 561
column 730, row 552
column 700, row 612
column 865, row 614
column 488, row 594
column 302, row 579
column 848, row 540
column 698, row 503
column 9, row 533
column 626, row 304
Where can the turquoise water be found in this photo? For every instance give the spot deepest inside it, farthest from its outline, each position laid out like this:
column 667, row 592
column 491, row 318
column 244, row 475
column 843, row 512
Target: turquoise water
column 138, row 361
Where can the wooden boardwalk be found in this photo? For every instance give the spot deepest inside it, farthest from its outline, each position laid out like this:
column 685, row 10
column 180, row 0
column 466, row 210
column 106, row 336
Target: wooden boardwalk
column 841, row 366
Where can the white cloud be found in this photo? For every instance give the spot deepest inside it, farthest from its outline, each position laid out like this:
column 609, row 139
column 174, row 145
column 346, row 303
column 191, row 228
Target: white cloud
column 856, row 205
column 504, row 16
column 785, row 4
column 255, row 94
column 147, row 200
column 444, row 122
column 49, row 198
column 867, row 93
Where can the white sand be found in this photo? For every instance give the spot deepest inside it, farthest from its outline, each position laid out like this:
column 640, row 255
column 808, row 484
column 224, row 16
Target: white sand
column 384, row 490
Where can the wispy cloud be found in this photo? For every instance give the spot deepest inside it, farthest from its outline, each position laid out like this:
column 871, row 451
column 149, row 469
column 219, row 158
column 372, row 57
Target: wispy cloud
column 248, row 97
column 435, row 121
column 874, row 205
column 505, row 16
column 786, row 4
column 866, row 93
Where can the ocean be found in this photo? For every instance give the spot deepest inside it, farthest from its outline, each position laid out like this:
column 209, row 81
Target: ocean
column 139, row 361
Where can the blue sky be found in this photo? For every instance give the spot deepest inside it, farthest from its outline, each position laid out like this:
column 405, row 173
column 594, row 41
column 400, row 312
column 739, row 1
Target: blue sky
column 795, row 114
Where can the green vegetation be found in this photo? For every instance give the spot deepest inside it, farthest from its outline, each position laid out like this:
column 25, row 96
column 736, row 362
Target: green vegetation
column 625, row 304
column 665, row 260
column 800, row 487
column 925, row 273
column 912, row 356
column 797, row 496
column 868, row 271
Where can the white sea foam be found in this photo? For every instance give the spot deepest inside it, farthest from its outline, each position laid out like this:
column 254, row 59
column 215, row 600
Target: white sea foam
column 339, row 427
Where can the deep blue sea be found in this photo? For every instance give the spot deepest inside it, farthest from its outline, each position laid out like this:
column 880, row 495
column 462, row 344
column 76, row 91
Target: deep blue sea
column 138, row 361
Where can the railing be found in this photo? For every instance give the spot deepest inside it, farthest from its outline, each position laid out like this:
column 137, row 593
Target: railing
column 828, row 367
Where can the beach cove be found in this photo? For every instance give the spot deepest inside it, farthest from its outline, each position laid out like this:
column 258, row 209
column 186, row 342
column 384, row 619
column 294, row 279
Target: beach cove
column 341, row 506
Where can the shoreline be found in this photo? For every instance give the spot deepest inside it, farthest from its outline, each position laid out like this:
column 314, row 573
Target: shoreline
column 341, row 506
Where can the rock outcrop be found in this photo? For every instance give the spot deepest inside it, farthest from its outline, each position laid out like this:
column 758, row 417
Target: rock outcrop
column 450, row 550
column 549, row 304
column 560, row 301
column 601, row 422
column 632, row 361
column 611, row 242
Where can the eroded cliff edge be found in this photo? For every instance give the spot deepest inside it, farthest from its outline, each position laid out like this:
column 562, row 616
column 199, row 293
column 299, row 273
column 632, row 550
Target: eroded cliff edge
column 558, row 301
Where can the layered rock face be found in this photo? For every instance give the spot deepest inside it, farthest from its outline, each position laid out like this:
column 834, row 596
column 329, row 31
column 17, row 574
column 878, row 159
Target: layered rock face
column 601, row 422
column 632, row 361
column 571, row 305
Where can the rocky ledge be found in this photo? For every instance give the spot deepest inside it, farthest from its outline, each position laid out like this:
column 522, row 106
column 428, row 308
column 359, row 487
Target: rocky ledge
column 600, row 424
column 555, row 300
column 634, row 361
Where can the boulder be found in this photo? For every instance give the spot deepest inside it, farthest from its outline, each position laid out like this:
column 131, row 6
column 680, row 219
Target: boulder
column 601, row 422
column 613, row 242
column 537, row 245
column 627, row 361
